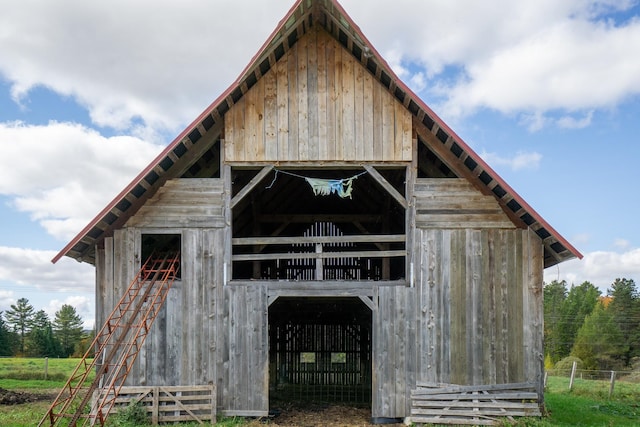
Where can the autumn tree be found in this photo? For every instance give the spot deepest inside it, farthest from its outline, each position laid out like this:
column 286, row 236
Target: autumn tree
column 67, row 328
column 20, row 316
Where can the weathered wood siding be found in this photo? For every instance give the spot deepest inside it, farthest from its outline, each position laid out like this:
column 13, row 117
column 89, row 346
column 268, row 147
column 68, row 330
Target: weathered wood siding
column 245, row 355
column 182, row 347
column 186, row 202
column 455, row 203
column 317, row 103
column 393, row 351
column 479, row 306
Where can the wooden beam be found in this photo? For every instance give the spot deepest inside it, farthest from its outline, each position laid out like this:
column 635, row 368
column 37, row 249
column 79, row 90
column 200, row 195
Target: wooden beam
column 293, row 218
column 367, row 301
column 387, row 186
column 324, row 255
column 369, row 238
column 251, row 185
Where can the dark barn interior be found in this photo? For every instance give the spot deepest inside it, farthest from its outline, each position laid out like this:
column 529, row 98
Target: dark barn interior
column 284, row 205
column 320, row 350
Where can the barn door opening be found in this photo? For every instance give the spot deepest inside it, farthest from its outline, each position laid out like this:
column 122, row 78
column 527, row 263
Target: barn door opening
column 319, row 351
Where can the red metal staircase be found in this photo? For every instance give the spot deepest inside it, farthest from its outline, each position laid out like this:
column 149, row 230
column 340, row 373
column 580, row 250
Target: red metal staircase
column 116, row 346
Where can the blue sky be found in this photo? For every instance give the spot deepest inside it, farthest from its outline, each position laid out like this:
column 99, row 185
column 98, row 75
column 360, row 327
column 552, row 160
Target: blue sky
column 546, row 92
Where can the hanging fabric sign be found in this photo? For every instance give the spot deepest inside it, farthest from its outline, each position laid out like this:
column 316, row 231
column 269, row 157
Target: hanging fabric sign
column 324, row 187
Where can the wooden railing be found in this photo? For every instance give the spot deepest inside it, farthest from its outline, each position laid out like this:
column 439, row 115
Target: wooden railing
column 319, row 253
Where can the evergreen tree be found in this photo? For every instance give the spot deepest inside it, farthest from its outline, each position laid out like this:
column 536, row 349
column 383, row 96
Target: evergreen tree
column 67, row 327
column 599, row 341
column 20, row 316
column 580, row 302
column 41, row 342
column 625, row 308
column 6, row 338
column 555, row 294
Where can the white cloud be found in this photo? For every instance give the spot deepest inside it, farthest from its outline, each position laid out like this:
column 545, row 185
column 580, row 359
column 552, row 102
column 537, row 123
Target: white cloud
column 156, row 61
column 30, row 267
column 67, row 172
column 599, row 267
column 84, row 308
column 519, row 161
column 135, row 70
column 570, row 122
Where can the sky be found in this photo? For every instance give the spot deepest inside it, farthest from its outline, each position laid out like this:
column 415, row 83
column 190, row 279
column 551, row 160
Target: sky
column 547, row 92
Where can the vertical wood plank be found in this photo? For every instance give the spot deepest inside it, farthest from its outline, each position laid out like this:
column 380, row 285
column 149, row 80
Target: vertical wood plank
column 322, row 96
column 367, row 116
column 313, row 122
column 339, row 102
column 459, row 357
column 302, row 95
column 270, row 115
column 282, row 100
column 388, row 128
column 358, row 112
column 292, row 102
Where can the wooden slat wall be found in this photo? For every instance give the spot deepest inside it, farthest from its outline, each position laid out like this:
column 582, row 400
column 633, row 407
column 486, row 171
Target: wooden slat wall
column 186, row 202
column 393, row 351
column 317, row 103
column 480, row 306
column 181, row 348
column 455, row 203
column 245, row 353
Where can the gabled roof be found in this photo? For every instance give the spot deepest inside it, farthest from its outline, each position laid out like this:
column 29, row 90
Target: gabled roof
column 304, row 14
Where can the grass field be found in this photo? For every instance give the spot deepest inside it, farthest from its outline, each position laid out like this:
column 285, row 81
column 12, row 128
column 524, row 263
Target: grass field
column 586, row 405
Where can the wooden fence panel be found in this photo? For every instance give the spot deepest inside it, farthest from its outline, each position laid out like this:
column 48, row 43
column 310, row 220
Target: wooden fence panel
column 168, row 404
column 473, row 405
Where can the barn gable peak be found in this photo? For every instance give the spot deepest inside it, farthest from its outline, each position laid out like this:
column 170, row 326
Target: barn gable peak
column 206, row 134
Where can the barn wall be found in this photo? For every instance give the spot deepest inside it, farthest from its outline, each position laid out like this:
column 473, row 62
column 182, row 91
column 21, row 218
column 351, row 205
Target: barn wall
column 245, row 351
column 455, row 203
column 479, row 306
column 182, row 347
column 317, row 103
column 393, row 351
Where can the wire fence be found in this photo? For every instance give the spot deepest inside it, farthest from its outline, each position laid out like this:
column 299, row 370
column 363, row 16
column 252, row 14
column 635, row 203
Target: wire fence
column 600, row 381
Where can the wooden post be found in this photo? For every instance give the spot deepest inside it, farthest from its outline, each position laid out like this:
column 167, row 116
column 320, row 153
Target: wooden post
column 46, row 368
column 544, row 384
column 319, row 263
column 613, row 381
column 573, row 374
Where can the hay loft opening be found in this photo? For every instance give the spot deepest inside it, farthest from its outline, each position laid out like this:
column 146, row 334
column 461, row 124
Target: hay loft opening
column 159, row 246
column 320, row 350
column 286, row 229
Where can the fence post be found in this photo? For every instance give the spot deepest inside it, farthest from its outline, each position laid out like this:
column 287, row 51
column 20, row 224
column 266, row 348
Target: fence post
column 46, row 368
column 544, row 384
column 613, row 381
column 573, row 374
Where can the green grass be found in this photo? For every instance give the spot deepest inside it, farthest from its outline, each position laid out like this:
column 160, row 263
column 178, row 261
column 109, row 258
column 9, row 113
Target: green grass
column 586, row 405
column 29, row 373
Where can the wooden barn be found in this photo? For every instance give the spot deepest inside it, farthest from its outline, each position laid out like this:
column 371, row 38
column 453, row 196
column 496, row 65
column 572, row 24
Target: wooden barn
column 337, row 242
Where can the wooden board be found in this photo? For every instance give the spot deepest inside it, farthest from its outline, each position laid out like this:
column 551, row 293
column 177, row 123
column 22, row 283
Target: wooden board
column 455, row 203
column 317, row 104
column 186, row 202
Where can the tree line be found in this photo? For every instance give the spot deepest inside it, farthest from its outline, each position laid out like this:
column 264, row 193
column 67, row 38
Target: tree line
column 27, row 332
column 602, row 331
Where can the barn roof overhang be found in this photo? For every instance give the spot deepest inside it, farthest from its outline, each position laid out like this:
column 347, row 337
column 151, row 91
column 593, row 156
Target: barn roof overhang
column 208, row 126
